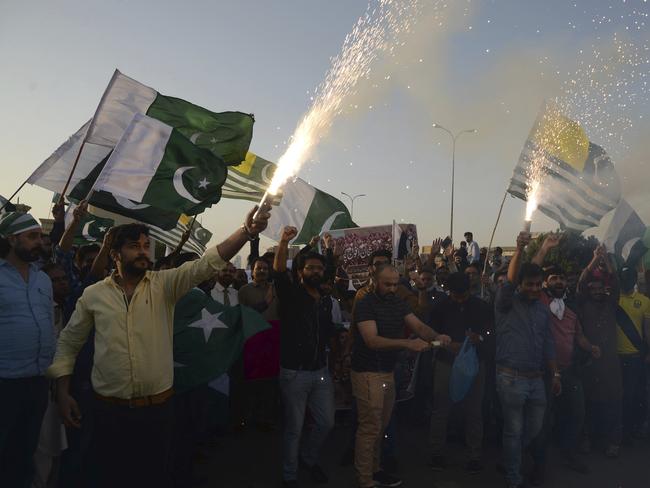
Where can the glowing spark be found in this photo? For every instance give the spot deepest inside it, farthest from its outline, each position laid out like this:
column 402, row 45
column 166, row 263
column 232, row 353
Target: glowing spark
column 375, row 32
column 531, row 200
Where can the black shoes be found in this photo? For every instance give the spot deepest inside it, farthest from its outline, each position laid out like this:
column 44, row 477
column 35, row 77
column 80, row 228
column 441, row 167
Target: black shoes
column 317, row 474
column 385, row 480
column 438, row 463
column 474, row 466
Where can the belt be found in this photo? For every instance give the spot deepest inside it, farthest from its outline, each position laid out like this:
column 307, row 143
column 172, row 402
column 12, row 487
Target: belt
column 518, row 372
column 145, row 401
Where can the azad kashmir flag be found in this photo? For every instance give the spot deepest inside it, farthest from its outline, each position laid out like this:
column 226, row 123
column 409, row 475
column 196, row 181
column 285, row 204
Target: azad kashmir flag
column 225, row 134
column 197, row 242
column 154, row 164
column 578, row 184
column 301, row 205
column 209, row 337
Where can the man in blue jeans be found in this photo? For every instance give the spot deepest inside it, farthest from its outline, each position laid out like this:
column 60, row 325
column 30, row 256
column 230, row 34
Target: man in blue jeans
column 524, row 345
column 306, row 328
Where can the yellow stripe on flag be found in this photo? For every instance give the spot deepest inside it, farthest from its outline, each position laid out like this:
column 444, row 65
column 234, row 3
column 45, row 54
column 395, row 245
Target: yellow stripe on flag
column 246, row 165
column 561, row 137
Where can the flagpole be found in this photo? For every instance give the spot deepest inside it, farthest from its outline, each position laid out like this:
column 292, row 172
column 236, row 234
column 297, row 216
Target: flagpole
column 85, row 139
column 14, row 194
column 505, row 194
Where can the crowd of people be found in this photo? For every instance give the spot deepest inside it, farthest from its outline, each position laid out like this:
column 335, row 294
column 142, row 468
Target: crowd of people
column 87, row 355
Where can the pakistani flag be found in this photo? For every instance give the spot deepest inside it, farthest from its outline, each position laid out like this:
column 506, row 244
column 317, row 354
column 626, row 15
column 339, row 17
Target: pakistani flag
column 579, row 184
column 91, row 229
column 209, row 337
column 225, row 134
column 627, row 237
column 303, row 206
column 6, row 206
column 154, row 164
column 107, row 205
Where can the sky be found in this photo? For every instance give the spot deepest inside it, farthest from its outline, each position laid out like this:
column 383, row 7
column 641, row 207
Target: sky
column 484, row 64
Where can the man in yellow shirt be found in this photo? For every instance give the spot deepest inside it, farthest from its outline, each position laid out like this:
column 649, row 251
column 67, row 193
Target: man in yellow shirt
column 633, row 340
column 132, row 313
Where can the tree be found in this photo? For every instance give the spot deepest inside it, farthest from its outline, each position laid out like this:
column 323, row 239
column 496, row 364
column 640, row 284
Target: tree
column 573, row 253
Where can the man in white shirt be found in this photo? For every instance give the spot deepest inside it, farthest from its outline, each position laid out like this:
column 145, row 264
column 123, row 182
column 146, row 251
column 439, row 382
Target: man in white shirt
column 473, row 250
column 223, row 291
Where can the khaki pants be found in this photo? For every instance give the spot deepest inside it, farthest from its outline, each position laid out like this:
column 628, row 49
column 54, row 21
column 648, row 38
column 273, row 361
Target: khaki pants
column 375, row 396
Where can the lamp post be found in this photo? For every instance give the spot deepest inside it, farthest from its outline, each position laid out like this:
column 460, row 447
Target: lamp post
column 352, row 199
column 453, row 168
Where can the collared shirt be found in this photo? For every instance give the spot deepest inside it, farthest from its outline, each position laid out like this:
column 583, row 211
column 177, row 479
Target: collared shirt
column 133, row 341
column 564, row 333
column 253, row 295
column 637, row 307
column 473, row 252
column 219, row 292
column 524, row 338
column 26, row 322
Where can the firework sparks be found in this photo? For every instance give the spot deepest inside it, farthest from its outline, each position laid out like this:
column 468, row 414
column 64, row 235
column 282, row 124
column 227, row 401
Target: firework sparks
column 376, row 32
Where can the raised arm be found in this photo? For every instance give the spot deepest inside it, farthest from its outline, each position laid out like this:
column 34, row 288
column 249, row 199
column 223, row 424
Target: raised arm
column 101, row 260
column 67, row 240
column 550, row 241
column 280, row 259
column 515, row 263
column 599, row 254
column 250, row 229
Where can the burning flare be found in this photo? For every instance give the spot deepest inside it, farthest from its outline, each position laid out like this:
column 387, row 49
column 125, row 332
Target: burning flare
column 375, row 32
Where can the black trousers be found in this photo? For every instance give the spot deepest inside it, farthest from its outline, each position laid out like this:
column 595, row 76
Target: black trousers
column 22, row 405
column 131, row 447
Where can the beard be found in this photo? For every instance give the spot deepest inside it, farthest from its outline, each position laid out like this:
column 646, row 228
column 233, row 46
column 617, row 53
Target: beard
column 314, row 280
column 558, row 291
column 28, row 255
column 132, row 269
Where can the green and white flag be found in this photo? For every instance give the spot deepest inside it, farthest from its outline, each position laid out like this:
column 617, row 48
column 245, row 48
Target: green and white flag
column 209, row 337
column 104, row 204
column 154, row 164
column 226, row 134
column 301, row 205
column 91, row 229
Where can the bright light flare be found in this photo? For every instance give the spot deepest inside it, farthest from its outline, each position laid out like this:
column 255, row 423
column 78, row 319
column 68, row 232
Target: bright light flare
column 531, row 200
column 377, row 31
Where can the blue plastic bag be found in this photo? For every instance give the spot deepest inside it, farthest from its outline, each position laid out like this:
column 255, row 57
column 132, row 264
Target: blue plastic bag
column 463, row 372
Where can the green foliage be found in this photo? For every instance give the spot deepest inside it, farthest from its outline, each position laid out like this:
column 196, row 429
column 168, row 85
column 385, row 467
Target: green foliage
column 573, row 253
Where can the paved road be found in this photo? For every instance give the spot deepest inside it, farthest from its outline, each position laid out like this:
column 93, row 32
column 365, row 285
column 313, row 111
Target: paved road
column 252, row 460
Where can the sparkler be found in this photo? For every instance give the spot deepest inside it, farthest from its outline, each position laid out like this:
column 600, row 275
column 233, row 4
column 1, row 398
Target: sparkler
column 375, row 32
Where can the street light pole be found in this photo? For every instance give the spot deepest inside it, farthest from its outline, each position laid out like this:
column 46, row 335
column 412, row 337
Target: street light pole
column 453, row 168
column 352, row 199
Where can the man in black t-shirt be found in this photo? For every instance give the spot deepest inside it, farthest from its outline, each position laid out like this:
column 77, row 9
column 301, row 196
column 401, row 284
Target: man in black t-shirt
column 380, row 317
column 461, row 316
column 305, row 382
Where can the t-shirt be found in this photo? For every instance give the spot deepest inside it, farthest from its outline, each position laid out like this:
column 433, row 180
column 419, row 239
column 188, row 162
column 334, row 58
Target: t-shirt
column 637, row 307
column 388, row 313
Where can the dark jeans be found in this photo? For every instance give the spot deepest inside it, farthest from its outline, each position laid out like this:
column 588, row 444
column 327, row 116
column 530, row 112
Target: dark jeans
column 74, row 470
column 632, row 368
column 22, row 405
column 190, row 421
column 131, row 446
column 567, row 411
column 523, row 401
column 442, row 406
column 302, row 390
